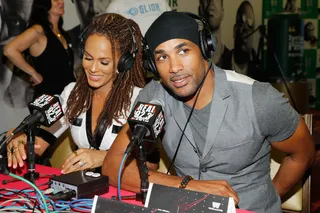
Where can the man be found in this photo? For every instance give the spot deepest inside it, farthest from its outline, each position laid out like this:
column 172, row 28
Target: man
column 243, row 58
column 226, row 145
column 143, row 12
column 213, row 12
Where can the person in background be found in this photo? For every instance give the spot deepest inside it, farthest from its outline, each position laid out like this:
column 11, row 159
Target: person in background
column 213, row 12
column 220, row 125
column 144, row 12
column 49, row 47
column 243, row 57
column 99, row 102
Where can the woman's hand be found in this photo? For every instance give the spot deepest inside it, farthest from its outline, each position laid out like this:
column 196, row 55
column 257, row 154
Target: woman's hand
column 36, row 78
column 83, row 159
column 16, row 149
column 16, row 152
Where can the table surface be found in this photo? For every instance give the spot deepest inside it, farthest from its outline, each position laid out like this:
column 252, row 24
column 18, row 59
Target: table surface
column 49, row 170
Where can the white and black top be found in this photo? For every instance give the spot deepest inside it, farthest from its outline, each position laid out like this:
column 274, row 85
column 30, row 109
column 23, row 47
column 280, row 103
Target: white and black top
column 78, row 128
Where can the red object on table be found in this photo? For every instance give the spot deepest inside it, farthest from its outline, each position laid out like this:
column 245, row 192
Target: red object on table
column 49, row 170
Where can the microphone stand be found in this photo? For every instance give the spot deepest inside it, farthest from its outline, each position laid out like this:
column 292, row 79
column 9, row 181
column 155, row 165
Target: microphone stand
column 31, row 175
column 3, row 162
column 143, row 170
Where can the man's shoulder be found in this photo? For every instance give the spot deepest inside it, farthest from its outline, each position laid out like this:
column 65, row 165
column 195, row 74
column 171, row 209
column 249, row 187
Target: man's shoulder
column 239, row 84
column 152, row 90
column 234, row 77
column 153, row 86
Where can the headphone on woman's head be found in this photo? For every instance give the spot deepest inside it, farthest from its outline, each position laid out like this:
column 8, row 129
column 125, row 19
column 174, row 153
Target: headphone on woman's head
column 206, row 39
column 125, row 61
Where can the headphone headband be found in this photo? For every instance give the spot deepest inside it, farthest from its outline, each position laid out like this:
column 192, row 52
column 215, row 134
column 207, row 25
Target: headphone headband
column 135, row 45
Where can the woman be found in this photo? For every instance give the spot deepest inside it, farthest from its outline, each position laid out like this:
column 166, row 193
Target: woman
column 101, row 99
column 49, row 47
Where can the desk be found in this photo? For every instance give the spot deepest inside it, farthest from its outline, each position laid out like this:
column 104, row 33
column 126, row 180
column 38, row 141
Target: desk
column 49, row 170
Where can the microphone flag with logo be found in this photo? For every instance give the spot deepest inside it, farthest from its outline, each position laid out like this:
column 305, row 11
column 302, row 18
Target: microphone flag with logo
column 44, row 110
column 146, row 122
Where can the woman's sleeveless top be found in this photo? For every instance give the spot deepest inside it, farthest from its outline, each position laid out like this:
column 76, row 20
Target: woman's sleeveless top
column 55, row 64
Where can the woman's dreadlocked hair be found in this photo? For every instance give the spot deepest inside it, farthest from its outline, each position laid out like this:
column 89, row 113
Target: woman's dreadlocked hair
column 115, row 28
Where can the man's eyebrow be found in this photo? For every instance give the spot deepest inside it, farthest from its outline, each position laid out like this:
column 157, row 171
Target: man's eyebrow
column 158, row 51
column 181, row 45
column 176, row 47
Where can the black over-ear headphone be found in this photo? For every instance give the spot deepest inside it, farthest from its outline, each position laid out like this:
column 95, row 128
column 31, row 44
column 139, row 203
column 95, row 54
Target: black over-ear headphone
column 125, row 61
column 207, row 44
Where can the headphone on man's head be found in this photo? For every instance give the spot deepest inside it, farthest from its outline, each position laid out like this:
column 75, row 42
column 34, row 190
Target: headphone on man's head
column 125, row 61
column 206, row 39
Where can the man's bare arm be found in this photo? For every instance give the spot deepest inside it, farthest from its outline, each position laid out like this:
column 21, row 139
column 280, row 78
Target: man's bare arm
column 301, row 154
column 130, row 179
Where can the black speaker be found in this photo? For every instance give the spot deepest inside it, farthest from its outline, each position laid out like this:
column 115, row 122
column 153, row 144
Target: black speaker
column 206, row 38
column 125, row 61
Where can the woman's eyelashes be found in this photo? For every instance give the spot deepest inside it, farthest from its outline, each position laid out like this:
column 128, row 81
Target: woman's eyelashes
column 105, row 63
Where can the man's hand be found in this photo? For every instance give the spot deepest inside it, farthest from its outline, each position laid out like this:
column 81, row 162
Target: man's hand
column 83, row 159
column 217, row 187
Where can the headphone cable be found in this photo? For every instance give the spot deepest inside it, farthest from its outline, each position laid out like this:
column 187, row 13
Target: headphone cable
column 189, row 117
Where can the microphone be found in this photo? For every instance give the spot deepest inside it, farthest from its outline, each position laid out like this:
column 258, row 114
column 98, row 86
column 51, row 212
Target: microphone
column 147, row 122
column 44, row 110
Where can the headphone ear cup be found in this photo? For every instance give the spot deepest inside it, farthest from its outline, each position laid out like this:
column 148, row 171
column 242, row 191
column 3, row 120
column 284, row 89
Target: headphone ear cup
column 203, row 45
column 148, row 62
column 207, row 43
column 125, row 62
